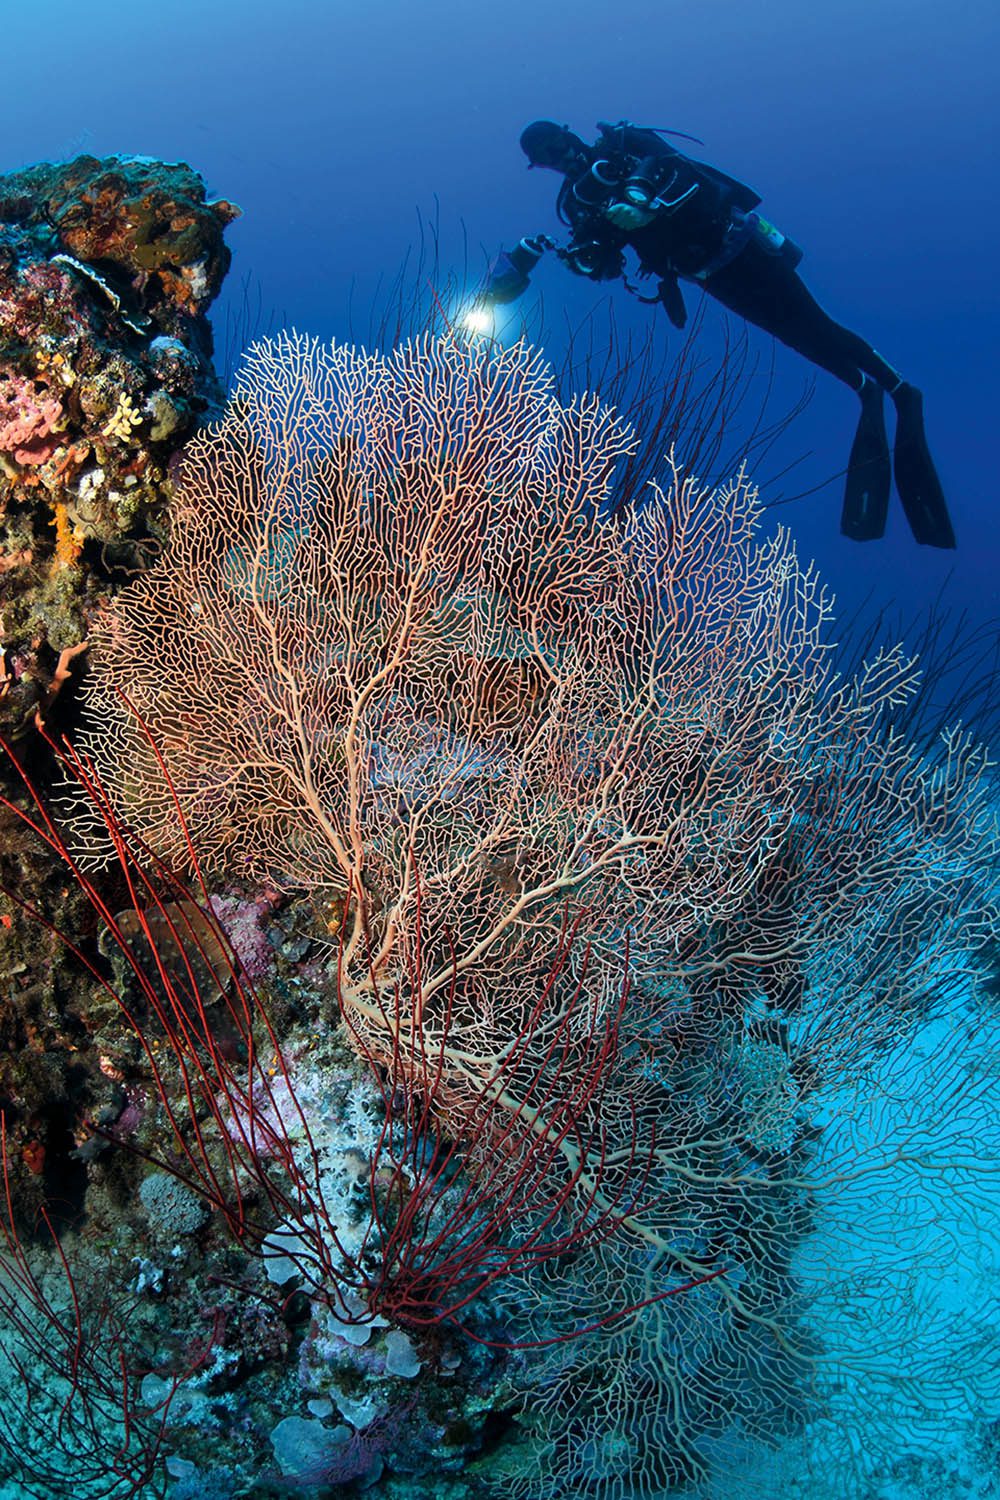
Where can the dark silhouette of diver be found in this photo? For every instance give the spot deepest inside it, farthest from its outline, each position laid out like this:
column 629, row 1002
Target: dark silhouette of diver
column 687, row 221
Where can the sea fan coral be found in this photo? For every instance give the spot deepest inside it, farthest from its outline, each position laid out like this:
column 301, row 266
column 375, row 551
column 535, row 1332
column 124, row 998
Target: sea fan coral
column 395, row 656
column 391, row 636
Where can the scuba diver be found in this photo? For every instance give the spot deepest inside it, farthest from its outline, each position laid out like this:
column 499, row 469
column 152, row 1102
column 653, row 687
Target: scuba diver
column 687, row 221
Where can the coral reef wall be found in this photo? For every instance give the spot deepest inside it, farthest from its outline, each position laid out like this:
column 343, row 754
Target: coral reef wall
column 107, row 269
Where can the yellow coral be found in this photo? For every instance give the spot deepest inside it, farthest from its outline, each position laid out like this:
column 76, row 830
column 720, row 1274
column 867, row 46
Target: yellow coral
column 125, row 416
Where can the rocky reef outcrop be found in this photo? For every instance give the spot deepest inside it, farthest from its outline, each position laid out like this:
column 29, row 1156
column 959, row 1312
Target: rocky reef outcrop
column 107, row 270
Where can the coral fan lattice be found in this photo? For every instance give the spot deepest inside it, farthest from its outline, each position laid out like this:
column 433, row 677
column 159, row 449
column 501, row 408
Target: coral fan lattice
column 392, row 635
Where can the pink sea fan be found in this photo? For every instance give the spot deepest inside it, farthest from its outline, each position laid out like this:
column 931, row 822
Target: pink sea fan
column 30, row 418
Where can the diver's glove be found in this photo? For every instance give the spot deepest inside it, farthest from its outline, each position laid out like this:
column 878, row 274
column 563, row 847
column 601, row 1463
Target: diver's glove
column 670, row 294
column 509, row 275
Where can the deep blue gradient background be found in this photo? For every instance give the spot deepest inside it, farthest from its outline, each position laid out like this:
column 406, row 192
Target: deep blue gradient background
column 871, row 127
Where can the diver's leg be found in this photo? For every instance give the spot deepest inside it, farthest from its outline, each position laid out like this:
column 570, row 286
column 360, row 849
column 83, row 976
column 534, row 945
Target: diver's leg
column 763, row 289
column 770, row 294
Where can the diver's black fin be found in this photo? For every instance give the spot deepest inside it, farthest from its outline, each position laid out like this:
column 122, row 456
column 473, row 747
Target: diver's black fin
column 916, row 478
column 869, row 473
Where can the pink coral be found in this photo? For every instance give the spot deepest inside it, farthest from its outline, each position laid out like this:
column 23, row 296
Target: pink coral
column 30, row 418
column 242, row 923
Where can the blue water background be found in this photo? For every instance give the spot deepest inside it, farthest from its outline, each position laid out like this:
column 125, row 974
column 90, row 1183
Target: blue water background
column 871, row 129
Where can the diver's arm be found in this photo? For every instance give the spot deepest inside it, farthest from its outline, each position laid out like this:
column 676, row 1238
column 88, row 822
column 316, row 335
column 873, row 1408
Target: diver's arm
column 510, row 274
column 595, row 251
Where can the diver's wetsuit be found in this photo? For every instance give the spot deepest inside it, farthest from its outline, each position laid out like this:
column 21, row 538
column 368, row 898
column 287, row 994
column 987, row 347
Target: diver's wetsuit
column 767, row 291
column 758, row 283
column 698, row 225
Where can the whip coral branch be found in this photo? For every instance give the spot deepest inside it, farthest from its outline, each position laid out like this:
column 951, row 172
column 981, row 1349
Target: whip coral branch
column 77, row 1423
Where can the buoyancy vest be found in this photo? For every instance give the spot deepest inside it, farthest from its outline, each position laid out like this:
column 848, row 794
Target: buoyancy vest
column 701, row 202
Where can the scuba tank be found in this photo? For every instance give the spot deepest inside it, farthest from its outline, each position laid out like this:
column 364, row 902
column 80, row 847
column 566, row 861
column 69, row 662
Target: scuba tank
column 745, row 229
column 771, row 239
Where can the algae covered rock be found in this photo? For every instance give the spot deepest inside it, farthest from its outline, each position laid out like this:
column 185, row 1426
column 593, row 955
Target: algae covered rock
column 107, row 269
column 149, row 220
